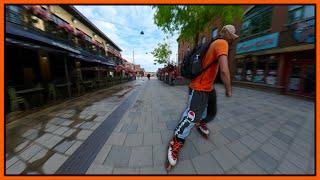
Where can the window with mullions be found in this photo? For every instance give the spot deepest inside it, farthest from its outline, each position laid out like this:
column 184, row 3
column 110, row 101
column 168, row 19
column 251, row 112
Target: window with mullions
column 57, row 20
column 257, row 20
column 300, row 12
column 14, row 14
column 16, row 9
column 214, row 33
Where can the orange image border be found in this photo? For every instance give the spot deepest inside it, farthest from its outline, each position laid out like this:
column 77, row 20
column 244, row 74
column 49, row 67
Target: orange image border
column 116, row 2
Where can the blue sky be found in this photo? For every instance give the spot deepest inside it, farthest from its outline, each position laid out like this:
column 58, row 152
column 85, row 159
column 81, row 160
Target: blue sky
column 122, row 24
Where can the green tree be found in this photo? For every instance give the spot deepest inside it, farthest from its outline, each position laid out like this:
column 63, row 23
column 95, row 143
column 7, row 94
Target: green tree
column 190, row 20
column 161, row 53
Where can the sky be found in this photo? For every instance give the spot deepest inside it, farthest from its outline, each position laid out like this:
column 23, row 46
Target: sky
column 123, row 24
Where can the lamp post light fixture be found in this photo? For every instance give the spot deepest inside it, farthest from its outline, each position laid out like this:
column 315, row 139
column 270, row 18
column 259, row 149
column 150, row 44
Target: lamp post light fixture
column 74, row 20
column 141, row 33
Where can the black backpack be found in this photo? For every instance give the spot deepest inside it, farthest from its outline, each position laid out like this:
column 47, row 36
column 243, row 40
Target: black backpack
column 192, row 62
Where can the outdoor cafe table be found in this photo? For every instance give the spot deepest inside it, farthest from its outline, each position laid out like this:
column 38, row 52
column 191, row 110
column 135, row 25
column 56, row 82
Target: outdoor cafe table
column 33, row 96
column 62, row 85
column 88, row 83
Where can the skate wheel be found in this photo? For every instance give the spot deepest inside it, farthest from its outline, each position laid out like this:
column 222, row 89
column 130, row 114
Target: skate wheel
column 168, row 166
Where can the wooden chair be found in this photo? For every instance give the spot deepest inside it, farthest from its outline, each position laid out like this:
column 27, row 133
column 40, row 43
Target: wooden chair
column 15, row 100
column 52, row 93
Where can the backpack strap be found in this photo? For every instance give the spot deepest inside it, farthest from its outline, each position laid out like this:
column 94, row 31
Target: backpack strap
column 213, row 62
column 206, row 68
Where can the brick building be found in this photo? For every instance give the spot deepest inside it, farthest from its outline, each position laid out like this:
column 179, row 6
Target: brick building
column 275, row 51
column 209, row 33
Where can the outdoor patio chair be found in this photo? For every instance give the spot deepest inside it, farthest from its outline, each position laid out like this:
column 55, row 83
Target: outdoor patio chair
column 15, row 100
column 52, row 94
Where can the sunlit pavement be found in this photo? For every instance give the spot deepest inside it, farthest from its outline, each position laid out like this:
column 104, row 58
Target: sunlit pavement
column 254, row 132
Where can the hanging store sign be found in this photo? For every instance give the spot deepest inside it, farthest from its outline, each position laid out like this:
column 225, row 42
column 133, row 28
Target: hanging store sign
column 260, row 43
column 304, row 31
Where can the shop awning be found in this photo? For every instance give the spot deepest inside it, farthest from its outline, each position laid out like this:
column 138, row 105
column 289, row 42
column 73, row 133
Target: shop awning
column 28, row 45
column 86, row 56
column 280, row 50
column 36, row 40
column 82, row 57
column 119, row 68
column 12, row 29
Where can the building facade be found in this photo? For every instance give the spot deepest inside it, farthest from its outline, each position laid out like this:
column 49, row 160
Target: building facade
column 211, row 32
column 50, row 49
column 276, row 49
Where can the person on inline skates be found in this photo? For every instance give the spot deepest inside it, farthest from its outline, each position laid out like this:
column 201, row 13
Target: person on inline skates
column 216, row 56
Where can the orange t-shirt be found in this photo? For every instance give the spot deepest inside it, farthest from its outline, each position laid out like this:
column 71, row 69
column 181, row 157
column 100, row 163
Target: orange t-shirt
column 204, row 82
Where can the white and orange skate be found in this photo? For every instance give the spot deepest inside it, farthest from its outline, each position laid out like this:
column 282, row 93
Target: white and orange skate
column 173, row 153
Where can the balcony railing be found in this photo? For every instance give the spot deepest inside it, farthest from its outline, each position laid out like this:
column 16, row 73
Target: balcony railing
column 25, row 19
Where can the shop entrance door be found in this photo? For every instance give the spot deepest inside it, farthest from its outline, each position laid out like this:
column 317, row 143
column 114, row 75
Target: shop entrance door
column 301, row 79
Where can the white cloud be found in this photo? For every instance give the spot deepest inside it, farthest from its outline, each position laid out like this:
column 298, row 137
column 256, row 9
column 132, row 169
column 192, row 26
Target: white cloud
column 122, row 24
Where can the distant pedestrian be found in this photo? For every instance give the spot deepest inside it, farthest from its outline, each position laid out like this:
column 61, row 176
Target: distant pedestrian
column 148, row 76
column 199, row 90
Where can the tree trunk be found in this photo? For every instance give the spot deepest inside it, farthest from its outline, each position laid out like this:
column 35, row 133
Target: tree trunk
column 196, row 38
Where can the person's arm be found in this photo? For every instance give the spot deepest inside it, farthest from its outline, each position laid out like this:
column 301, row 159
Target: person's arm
column 225, row 73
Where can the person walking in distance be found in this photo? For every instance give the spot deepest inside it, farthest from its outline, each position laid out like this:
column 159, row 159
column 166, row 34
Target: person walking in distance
column 199, row 90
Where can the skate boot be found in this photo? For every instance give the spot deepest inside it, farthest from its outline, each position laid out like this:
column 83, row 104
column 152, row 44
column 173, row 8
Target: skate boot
column 202, row 129
column 173, row 152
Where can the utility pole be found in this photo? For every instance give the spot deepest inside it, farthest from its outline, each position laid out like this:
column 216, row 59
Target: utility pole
column 133, row 59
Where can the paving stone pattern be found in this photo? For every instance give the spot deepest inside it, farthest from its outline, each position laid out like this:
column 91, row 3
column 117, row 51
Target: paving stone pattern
column 260, row 137
column 41, row 142
column 254, row 132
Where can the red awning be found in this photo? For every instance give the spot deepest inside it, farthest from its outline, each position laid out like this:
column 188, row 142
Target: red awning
column 119, row 68
column 67, row 27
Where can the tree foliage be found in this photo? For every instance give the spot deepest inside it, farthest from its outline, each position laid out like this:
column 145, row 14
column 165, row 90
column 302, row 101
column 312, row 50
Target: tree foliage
column 190, row 20
column 162, row 53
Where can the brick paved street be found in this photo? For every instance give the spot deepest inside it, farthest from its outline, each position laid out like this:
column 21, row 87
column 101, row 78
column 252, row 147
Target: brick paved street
column 254, row 132
column 41, row 142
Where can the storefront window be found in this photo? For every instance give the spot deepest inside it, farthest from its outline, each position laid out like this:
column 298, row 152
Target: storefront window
column 249, row 67
column 271, row 74
column 260, row 70
column 239, row 70
column 309, row 81
column 302, row 78
column 294, row 82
